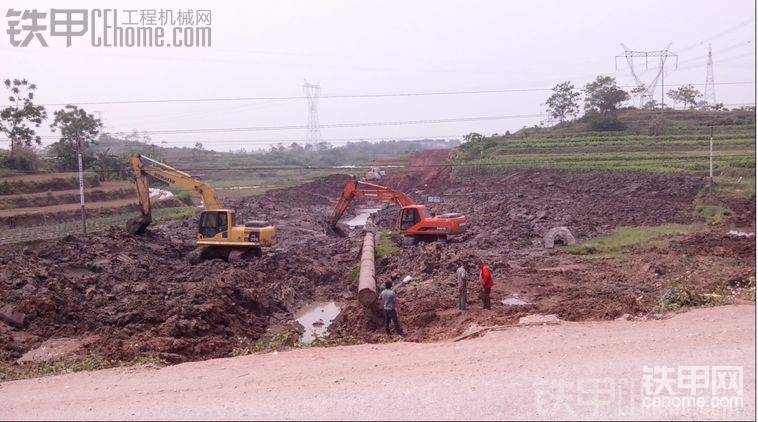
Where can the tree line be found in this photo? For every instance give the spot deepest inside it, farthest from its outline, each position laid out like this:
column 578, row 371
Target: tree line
column 21, row 119
column 108, row 154
column 603, row 95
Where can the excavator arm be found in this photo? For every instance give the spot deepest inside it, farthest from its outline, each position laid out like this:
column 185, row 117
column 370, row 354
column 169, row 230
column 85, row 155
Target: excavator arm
column 357, row 189
column 169, row 175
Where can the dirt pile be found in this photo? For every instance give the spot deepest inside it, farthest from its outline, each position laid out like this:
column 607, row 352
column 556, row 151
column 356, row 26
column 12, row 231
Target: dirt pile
column 140, row 296
column 522, row 205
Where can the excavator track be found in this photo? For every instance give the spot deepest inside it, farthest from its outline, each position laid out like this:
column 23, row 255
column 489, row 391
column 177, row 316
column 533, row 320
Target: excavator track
column 243, row 254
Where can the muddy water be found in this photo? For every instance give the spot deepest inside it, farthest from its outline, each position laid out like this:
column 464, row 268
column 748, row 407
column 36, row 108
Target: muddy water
column 239, row 187
column 158, row 194
column 361, row 218
column 515, row 301
column 316, row 319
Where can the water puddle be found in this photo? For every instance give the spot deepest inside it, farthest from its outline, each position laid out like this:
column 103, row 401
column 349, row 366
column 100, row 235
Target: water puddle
column 361, row 218
column 316, row 319
column 739, row 233
column 159, row 194
column 238, row 187
column 515, row 301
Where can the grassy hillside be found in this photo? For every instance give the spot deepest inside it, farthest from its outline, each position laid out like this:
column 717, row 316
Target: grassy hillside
column 669, row 142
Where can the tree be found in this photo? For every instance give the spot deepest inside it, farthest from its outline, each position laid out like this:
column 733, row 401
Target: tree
column 109, row 166
column 20, row 118
column 685, row 94
column 603, row 95
column 473, row 136
column 78, row 129
column 563, row 103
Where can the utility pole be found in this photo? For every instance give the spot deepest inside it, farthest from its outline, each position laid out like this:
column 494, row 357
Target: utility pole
column 710, row 85
column 662, row 96
column 710, row 164
column 81, row 183
column 312, row 92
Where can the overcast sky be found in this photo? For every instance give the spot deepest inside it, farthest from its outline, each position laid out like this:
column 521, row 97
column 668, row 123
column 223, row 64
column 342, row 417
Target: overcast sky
column 267, row 49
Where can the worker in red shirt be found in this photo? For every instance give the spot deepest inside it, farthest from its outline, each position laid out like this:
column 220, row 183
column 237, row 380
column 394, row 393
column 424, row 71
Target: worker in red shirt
column 485, row 274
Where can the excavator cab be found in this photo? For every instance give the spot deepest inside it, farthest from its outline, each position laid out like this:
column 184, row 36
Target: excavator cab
column 409, row 217
column 212, row 223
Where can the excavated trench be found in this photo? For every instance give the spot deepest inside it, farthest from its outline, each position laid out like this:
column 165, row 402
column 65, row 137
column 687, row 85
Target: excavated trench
column 132, row 296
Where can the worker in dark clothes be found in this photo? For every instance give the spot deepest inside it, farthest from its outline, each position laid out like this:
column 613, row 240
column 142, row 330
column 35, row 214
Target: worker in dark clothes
column 389, row 298
column 486, row 276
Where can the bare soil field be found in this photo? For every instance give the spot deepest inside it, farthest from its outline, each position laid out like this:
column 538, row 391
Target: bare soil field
column 124, row 297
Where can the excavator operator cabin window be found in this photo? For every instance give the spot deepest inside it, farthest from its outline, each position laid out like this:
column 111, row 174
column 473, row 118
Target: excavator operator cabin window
column 210, row 220
column 213, row 222
column 409, row 218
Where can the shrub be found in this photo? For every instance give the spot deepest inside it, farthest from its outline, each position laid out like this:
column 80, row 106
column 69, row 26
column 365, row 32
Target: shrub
column 24, row 158
column 602, row 123
column 184, row 197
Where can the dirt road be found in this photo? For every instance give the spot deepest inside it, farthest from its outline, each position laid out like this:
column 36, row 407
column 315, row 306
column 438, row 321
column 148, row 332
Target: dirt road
column 573, row 370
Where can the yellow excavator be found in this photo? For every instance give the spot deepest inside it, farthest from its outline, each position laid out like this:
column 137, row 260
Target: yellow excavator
column 217, row 236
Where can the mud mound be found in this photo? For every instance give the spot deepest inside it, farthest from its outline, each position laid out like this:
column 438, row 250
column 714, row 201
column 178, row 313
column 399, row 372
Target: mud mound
column 138, row 295
column 519, row 206
column 427, row 171
column 715, row 243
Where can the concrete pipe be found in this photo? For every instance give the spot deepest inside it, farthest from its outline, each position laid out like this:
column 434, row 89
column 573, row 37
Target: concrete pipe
column 366, row 279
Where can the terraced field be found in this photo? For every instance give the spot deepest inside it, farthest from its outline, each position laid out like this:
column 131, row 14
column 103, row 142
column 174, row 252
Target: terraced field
column 46, row 206
column 682, row 146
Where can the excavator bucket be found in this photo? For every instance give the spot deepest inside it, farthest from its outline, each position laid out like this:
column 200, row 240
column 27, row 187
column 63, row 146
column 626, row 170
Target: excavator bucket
column 138, row 225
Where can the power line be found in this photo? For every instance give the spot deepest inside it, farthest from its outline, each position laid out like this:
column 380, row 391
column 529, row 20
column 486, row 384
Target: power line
column 333, row 96
column 695, row 66
column 724, row 32
column 720, row 50
column 330, row 126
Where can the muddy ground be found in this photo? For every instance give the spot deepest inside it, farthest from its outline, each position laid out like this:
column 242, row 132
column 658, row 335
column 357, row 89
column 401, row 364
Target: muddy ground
column 123, row 296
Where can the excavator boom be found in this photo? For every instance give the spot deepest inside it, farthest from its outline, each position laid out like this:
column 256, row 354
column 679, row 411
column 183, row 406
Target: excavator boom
column 360, row 189
column 413, row 220
column 171, row 176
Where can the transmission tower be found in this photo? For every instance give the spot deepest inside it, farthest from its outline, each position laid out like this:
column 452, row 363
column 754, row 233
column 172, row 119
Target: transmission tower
column 710, row 85
column 312, row 92
column 647, row 89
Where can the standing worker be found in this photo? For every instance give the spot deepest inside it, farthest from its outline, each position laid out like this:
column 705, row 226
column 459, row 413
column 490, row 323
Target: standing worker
column 486, row 277
column 460, row 274
column 389, row 297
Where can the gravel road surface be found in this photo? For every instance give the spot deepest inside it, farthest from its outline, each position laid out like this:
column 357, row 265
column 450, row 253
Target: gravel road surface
column 573, row 370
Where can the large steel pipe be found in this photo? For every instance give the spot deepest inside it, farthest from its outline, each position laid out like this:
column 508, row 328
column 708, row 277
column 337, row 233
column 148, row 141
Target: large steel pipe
column 366, row 278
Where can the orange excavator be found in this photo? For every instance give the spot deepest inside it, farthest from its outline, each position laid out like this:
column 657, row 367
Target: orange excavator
column 414, row 220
